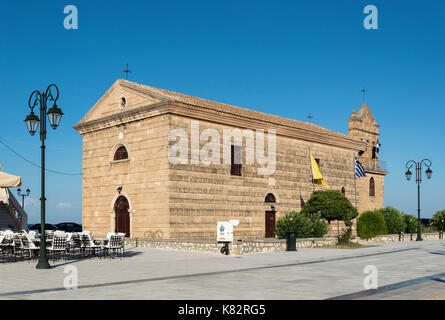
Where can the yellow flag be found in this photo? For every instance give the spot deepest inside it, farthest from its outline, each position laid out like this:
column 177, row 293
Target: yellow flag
column 316, row 174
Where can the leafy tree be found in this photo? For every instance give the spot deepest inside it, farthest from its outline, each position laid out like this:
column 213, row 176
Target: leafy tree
column 331, row 204
column 371, row 224
column 394, row 220
column 305, row 226
column 410, row 223
column 438, row 220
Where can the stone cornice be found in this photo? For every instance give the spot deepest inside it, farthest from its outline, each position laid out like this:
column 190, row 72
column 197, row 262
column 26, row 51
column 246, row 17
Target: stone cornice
column 123, row 117
column 376, row 171
column 365, row 131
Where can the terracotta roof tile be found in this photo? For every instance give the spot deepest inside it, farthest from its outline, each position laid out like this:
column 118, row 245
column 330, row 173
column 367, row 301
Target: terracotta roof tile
column 226, row 108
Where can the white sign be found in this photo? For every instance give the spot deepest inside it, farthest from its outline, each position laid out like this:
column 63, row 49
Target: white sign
column 224, row 232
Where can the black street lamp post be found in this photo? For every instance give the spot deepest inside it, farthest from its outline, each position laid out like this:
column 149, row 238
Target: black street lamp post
column 32, row 123
column 23, row 195
column 408, row 175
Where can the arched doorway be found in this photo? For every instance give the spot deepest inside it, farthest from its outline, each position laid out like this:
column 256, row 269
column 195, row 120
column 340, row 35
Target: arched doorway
column 270, row 216
column 122, row 216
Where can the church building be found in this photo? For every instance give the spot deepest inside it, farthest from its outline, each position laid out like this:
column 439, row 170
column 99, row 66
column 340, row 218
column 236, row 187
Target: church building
column 165, row 165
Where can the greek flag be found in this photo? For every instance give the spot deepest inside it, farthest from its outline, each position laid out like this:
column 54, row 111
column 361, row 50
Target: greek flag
column 359, row 170
column 377, row 149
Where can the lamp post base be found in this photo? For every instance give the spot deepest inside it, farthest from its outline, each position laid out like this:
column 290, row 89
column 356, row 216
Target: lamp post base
column 43, row 264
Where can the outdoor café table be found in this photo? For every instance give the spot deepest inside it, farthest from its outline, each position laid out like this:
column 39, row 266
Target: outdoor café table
column 37, row 241
column 101, row 241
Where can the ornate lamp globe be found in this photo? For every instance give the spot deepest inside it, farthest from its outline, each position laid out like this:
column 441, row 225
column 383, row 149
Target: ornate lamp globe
column 428, row 173
column 408, row 175
column 32, row 123
column 54, row 116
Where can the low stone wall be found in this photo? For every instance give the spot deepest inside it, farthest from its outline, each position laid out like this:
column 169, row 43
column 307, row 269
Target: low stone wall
column 237, row 248
column 397, row 238
column 183, row 245
column 262, row 245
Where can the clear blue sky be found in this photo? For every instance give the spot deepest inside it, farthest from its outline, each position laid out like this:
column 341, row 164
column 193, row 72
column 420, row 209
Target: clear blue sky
column 286, row 58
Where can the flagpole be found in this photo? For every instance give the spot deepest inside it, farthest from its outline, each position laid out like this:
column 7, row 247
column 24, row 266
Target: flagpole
column 355, row 184
column 312, row 172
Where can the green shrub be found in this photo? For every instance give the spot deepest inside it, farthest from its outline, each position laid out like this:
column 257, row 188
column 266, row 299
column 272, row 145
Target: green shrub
column 305, row 226
column 319, row 225
column 427, row 229
column 345, row 237
column 394, row 221
column 410, row 223
column 371, row 224
column 438, row 220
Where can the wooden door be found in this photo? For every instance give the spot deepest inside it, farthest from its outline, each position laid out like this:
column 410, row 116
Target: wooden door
column 123, row 223
column 122, row 216
column 270, row 224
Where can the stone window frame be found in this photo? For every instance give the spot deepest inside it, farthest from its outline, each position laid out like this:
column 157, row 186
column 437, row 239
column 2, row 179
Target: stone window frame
column 121, row 154
column 113, row 152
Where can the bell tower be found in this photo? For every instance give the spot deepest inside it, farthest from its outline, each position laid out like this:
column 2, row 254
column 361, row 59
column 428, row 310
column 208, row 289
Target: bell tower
column 363, row 127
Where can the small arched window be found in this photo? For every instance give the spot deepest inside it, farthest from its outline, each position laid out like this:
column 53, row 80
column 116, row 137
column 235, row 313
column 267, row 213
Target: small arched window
column 123, row 103
column 372, row 187
column 343, row 191
column 270, row 198
column 121, row 154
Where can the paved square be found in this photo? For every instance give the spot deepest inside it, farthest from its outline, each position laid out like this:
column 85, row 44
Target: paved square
column 406, row 270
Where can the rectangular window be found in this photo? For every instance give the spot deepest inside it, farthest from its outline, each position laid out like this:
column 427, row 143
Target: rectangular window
column 236, row 166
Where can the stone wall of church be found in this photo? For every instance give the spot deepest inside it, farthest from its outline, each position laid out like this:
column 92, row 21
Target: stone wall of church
column 200, row 195
column 143, row 177
column 365, row 200
column 184, row 201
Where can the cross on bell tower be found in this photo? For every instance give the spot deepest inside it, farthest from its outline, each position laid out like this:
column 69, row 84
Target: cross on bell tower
column 363, row 92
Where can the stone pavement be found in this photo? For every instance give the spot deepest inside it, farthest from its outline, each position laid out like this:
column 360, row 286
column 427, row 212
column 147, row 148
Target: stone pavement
column 406, row 270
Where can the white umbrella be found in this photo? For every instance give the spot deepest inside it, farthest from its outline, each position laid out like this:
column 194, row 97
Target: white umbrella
column 9, row 180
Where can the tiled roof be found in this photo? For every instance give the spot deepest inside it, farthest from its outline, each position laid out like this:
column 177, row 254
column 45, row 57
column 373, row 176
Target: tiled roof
column 226, row 108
